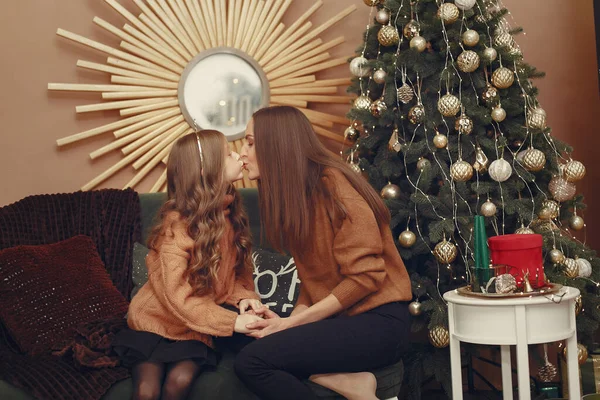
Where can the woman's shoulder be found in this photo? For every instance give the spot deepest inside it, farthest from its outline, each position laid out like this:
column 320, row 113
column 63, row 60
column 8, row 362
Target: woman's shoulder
column 335, row 179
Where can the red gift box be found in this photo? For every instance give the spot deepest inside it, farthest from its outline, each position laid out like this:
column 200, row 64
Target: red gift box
column 524, row 252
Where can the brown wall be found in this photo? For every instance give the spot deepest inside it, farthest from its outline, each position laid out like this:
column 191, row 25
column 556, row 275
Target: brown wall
column 559, row 40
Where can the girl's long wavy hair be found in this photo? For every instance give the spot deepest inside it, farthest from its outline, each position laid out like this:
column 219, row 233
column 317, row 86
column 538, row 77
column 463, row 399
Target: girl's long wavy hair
column 291, row 160
column 196, row 190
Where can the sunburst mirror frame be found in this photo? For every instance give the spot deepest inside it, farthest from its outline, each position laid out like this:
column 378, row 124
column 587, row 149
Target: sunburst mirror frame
column 169, row 37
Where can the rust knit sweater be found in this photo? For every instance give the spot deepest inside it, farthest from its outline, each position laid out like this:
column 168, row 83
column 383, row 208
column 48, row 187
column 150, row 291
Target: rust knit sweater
column 166, row 304
column 356, row 261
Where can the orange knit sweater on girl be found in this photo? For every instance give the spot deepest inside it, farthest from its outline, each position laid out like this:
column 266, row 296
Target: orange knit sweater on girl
column 167, row 306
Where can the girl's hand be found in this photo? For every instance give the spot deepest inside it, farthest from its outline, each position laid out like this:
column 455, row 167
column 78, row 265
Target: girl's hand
column 245, row 319
column 247, row 305
column 270, row 324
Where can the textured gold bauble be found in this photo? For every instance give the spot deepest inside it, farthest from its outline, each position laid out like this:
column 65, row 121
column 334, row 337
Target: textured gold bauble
column 582, row 353
column 556, row 256
column 416, row 114
column 359, row 67
column 378, row 108
column 534, row 160
column 490, row 54
column 379, row 76
column 362, row 102
column 500, row 170
column 498, row 114
column 504, row 39
column 468, row 61
column 405, row 93
column 388, row 36
column 438, row 335
column 470, row 37
column 536, row 118
column 382, row 16
column 578, row 305
column 488, row 209
column 574, row 171
column 576, row 222
column 464, row 124
column 448, row 13
column 390, row 191
column 418, row 43
column 440, row 141
column 561, row 189
column 373, row 3
column 411, row 29
column 503, row 78
column 585, row 267
column 407, row 239
column 415, row 309
column 445, row 252
column 490, row 95
column 423, row 163
column 461, row 171
column 571, row 268
column 524, row 230
column 547, row 372
column 351, row 133
column 481, row 161
column 553, row 206
column 448, row 104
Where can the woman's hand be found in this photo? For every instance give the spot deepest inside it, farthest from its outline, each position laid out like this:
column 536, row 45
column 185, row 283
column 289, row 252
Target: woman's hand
column 247, row 305
column 245, row 319
column 270, row 324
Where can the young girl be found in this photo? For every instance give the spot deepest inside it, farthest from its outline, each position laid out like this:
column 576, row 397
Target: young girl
column 199, row 260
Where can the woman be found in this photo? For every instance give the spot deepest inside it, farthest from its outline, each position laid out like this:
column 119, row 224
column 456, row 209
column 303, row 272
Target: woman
column 351, row 314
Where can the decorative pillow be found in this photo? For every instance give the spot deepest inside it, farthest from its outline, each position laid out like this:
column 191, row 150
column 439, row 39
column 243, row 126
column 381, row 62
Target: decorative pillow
column 276, row 280
column 47, row 290
column 139, row 273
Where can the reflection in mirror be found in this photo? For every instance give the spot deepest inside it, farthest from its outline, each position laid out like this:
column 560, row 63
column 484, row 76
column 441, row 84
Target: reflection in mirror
column 221, row 91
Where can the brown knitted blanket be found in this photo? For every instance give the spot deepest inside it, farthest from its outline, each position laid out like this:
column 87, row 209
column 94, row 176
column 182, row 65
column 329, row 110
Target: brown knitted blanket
column 112, row 219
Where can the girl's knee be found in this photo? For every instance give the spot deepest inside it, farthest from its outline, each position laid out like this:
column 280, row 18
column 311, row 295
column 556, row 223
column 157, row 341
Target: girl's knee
column 147, row 391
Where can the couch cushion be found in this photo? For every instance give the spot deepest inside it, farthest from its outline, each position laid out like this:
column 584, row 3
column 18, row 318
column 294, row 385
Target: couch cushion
column 49, row 289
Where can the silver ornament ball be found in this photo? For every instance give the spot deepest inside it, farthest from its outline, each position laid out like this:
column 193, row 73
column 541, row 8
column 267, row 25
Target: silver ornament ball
column 382, row 16
column 358, row 67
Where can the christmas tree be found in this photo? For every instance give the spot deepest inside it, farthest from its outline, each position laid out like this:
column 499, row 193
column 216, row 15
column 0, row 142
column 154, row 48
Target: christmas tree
column 447, row 126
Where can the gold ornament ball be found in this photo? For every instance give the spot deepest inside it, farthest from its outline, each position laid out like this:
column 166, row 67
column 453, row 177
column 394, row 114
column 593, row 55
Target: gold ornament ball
column 585, row 267
column 449, row 105
column 582, row 353
column 504, row 39
column 547, row 372
column 438, row 335
column 561, row 189
column 440, row 141
column 390, row 191
column 524, row 230
column 423, row 163
column 557, row 256
column 578, row 305
column 553, row 206
column 382, row 16
column 503, row 78
column 388, row 36
column 536, row 118
column 470, row 38
column 488, row 209
column 372, row 3
column 490, row 54
column 356, row 168
column 378, row 107
column 461, row 171
column 411, row 29
column 405, row 93
column 362, row 102
column 490, row 95
column 498, row 114
column 351, row 134
column 416, row 114
column 418, row 43
column 379, row 76
column 468, row 61
column 534, row 160
column 359, row 67
column 415, row 309
column 576, row 222
column 445, row 252
column 407, row 239
column 448, row 13
column 574, row 171
column 500, row 170
column 571, row 268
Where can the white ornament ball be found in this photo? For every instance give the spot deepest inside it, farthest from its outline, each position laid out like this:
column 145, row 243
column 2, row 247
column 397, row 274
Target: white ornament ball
column 500, row 170
column 465, row 4
column 585, row 267
column 359, row 67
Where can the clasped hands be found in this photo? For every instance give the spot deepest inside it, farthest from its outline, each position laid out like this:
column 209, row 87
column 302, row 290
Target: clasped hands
column 257, row 321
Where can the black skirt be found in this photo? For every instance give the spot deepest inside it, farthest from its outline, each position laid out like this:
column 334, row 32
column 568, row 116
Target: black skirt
column 134, row 347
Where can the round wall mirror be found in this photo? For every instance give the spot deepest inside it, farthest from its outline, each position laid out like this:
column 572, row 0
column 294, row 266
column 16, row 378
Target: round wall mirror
column 220, row 89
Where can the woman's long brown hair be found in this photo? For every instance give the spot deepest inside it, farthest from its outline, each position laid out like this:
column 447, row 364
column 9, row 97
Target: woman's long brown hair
column 197, row 190
column 291, row 160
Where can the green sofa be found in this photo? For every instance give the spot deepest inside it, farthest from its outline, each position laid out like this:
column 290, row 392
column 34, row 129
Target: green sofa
column 222, row 383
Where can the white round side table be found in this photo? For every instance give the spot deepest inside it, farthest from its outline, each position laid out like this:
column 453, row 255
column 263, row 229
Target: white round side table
column 513, row 321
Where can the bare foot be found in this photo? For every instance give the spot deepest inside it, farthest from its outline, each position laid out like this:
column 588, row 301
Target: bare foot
column 353, row 386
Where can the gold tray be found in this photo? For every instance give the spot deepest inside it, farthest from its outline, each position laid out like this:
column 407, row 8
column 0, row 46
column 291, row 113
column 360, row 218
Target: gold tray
column 549, row 289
